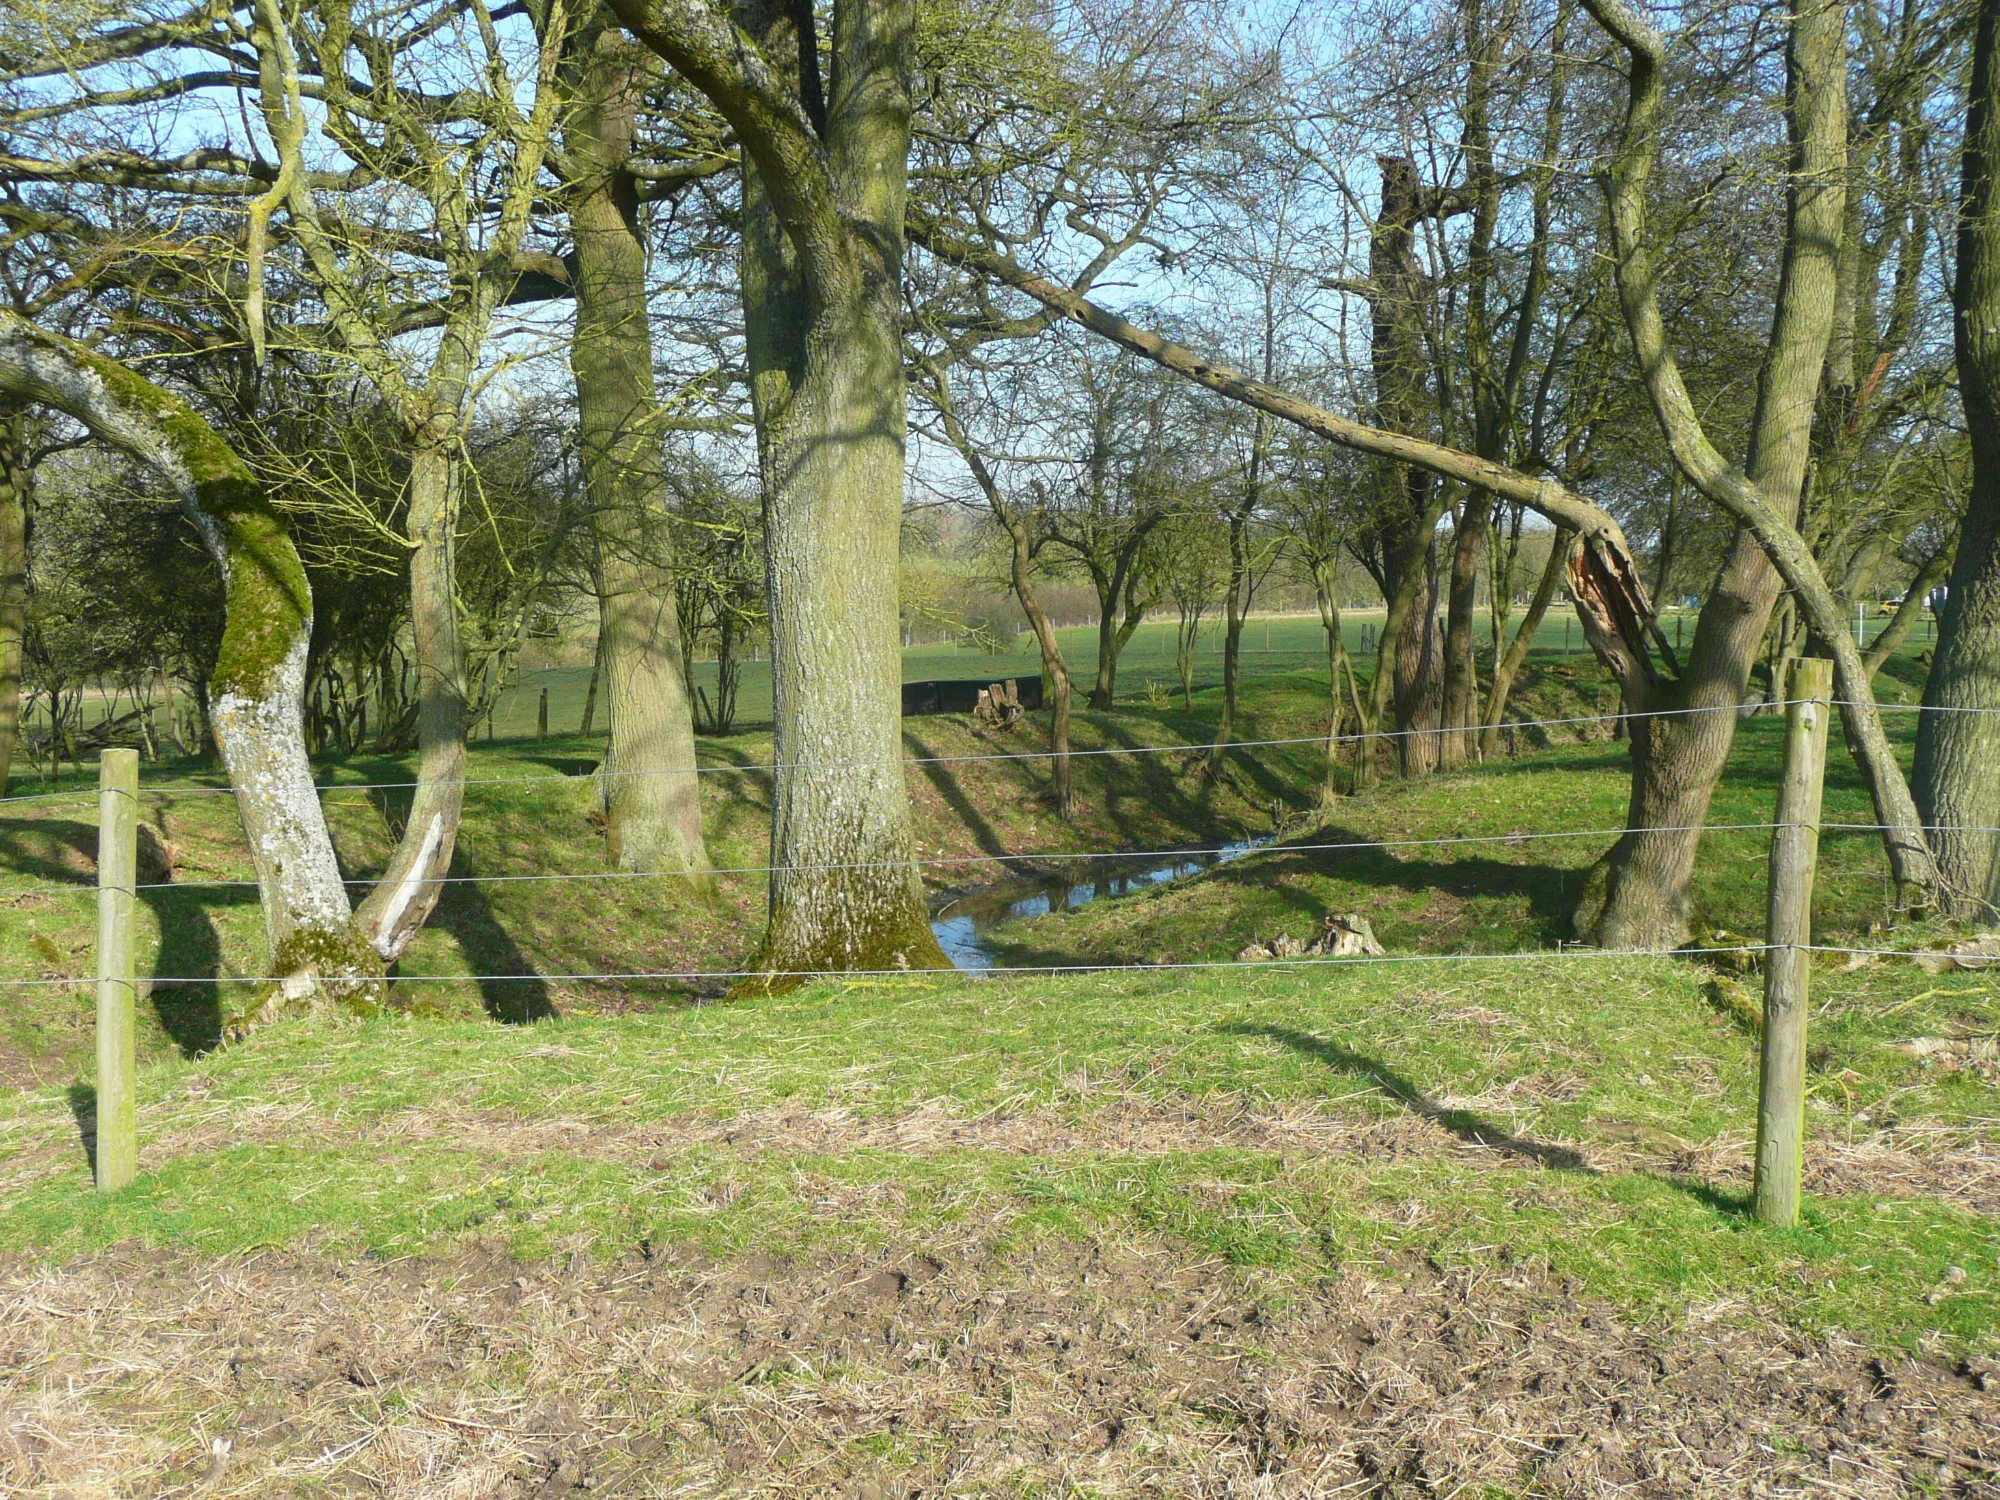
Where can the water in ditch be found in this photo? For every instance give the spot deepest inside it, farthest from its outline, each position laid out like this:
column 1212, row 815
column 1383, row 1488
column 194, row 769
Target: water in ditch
column 964, row 922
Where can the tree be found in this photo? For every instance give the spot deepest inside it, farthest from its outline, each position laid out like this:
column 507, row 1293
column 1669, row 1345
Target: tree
column 1958, row 734
column 1194, row 564
column 1024, row 542
column 1120, row 432
column 473, row 159
column 824, row 187
column 15, row 478
column 1641, row 893
column 316, row 952
column 652, row 802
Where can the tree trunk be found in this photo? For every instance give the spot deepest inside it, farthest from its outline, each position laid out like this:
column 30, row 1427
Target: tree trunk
column 397, row 907
column 1958, row 734
column 1418, row 672
column 1324, row 579
column 258, row 681
column 1508, row 667
column 652, row 791
column 1461, row 675
column 1104, row 689
column 590, row 691
column 1235, row 605
column 822, row 320
column 15, row 479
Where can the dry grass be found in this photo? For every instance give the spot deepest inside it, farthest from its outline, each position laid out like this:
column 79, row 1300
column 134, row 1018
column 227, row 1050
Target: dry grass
column 941, row 1369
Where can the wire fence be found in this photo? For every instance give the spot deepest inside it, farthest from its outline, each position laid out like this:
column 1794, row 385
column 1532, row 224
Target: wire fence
column 1163, row 966
column 1090, row 752
column 751, row 767
column 1035, row 862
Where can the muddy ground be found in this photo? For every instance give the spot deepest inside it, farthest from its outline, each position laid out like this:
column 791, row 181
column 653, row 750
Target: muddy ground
column 1139, row 1369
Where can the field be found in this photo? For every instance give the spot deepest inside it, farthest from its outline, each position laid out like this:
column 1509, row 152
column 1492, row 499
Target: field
column 1458, row 1224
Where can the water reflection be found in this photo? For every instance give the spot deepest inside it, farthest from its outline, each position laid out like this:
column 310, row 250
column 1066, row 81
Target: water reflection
column 964, row 922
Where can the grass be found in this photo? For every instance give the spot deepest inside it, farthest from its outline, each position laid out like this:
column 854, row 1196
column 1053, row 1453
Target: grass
column 1297, row 1143
column 1536, row 1130
column 1581, row 1057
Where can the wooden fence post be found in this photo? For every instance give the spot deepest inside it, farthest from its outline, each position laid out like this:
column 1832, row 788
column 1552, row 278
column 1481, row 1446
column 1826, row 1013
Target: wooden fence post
column 117, row 874
column 1781, row 1087
column 542, row 717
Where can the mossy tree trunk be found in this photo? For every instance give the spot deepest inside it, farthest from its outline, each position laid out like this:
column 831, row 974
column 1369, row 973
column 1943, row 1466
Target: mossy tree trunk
column 1958, row 735
column 652, row 792
column 15, row 479
column 825, row 180
column 257, row 686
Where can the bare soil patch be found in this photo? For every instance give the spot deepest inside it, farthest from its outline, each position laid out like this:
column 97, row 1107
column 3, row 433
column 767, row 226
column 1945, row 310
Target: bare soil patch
column 939, row 1369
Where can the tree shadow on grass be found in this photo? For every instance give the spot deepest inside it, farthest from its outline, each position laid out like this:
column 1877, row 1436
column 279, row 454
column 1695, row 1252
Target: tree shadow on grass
column 1465, row 1124
column 512, row 992
column 946, row 781
column 190, row 1011
column 190, row 951
column 1154, row 782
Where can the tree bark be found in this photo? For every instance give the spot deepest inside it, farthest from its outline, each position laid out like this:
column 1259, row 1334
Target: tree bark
column 1958, row 734
column 258, row 682
column 1461, row 675
column 1236, row 601
column 1407, row 519
column 15, row 480
column 596, row 670
column 1324, row 580
column 824, row 192
column 652, row 802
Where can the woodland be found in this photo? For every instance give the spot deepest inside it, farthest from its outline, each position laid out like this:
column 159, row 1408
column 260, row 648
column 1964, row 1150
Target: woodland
column 368, row 369
column 1186, row 295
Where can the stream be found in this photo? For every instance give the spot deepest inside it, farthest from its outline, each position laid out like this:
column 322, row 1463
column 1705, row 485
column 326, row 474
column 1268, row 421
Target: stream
column 964, row 922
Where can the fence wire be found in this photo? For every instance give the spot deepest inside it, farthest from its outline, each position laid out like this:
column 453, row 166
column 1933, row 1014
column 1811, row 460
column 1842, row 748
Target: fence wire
column 766, row 767
column 1222, row 853
column 1165, row 966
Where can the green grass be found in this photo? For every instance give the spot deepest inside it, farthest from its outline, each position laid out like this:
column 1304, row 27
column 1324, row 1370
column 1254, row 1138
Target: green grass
column 1497, row 1052
column 1588, row 1114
